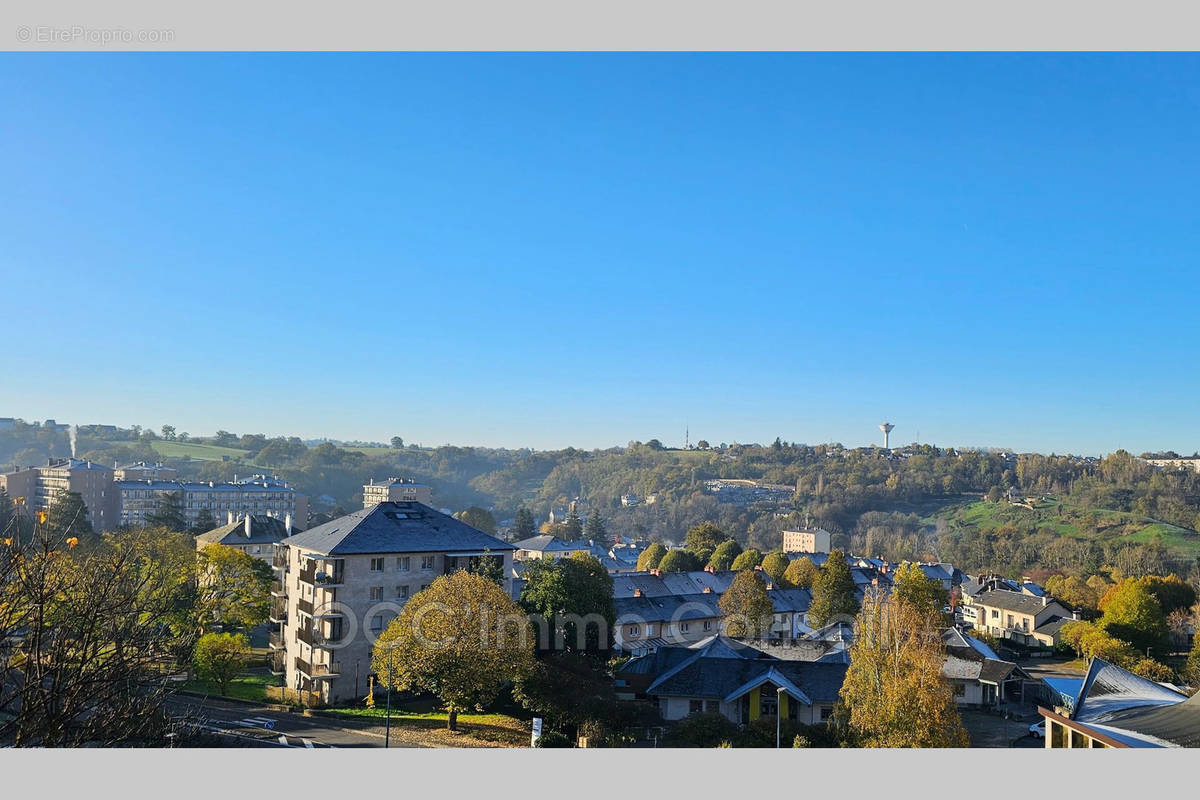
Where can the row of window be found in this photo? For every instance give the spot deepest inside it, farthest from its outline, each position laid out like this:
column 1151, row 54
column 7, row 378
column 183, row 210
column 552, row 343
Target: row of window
column 403, row 563
column 401, row 592
column 684, row 627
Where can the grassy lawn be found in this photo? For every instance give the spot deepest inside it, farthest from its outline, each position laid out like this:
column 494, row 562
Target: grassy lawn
column 196, row 450
column 498, row 729
column 244, row 687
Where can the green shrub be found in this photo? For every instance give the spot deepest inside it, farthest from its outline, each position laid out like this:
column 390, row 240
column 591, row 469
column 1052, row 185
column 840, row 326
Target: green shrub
column 554, row 739
column 703, row 730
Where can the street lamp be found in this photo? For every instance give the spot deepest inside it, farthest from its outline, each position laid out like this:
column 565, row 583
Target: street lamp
column 387, row 731
column 778, row 706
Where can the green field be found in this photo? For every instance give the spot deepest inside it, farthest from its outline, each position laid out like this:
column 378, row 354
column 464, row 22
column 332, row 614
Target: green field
column 1065, row 519
column 196, row 450
column 244, row 687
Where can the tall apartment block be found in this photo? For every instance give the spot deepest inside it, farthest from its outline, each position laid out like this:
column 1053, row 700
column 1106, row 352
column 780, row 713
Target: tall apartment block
column 340, row 584
column 41, row 485
column 396, row 490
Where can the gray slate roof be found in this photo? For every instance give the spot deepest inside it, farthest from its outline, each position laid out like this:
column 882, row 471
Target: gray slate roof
column 263, row 530
column 1011, row 601
column 406, row 527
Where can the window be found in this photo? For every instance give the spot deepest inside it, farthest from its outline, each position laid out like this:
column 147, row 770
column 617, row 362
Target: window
column 683, row 627
column 377, row 623
column 403, row 563
column 634, row 630
column 826, row 713
column 377, row 564
column 695, row 706
column 995, row 614
column 376, row 592
column 402, row 592
column 427, row 562
column 960, row 690
column 708, row 625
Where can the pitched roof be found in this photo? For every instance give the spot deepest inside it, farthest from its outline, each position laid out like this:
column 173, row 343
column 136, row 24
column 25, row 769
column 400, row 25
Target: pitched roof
column 1109, row 689
column 1012, row 601
column 719, row 678
column 263, row 530
column 400, row 527
column 546, row 543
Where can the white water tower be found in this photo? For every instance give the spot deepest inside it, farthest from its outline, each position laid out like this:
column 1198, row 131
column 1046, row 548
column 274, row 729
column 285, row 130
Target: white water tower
column 886, row 427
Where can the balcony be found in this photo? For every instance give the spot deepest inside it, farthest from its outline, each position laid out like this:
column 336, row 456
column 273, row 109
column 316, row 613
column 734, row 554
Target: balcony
column 278, row 589
column 275, row 640
column 318, row 670
column 279, row 610
column 304, row 606
column 280, row 559
column 276, row 662
column 322, row 573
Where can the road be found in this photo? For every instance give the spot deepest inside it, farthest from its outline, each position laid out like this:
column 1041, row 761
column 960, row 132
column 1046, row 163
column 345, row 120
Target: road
column 262, row 723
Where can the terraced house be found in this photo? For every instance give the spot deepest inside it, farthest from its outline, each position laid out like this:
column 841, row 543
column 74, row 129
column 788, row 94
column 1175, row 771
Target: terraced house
column 340, row 584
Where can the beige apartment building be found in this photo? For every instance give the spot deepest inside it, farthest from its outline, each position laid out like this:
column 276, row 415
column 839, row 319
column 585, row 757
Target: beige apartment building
column 1027, row 619
column 340, row 584
column 1175, row 463
column 806, row 540
column 40, row 486
column 396, row 490
column 256, row 495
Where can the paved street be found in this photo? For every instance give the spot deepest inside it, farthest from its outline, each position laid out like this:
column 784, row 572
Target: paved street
column 261, row 722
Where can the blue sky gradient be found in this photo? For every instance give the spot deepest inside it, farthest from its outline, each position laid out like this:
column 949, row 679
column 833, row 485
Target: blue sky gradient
column 574, row 249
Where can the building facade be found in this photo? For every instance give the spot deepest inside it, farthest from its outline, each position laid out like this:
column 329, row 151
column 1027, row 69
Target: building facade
column 256, row 495
column 806, row 540
column 339, row 585
column 396, row 490
column 40, row 486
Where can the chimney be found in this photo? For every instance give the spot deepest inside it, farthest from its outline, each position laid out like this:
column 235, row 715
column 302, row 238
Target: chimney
column 770, row 586
column 287, row 523
column 656, row 573
column 638, row 593
column 228, row 517
column 710, row 569
column 708, row 590
column 247, row 526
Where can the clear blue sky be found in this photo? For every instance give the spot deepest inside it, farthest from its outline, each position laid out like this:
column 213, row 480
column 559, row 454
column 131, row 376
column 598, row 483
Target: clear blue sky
column 553, row 250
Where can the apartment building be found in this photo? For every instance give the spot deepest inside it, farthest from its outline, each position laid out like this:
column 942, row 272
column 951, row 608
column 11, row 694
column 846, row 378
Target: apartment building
column 806, row 540
column 40, row 486
column 340, row 584
column 256, row 495
column 142, row 471
column 396, row 490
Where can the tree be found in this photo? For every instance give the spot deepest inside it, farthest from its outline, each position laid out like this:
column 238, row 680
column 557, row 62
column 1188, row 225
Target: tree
column 94, row 624
column 911, row 585
column 834, row 594
column 525, row 526
column 894, row 694
column 775, row 564
column 703, row 444
column 746, row 606
column 461, row 640
column 594, row 530
column 703, row 539
column 68, row 517
column 225, row 439
column 1171, row 593
column 678, row 561
column 397, row 442
column 573, row 527
column 233, row 587
column 168, row 513
column 748, row 559
column 221, row 657
column 168, row 432
column 205, row 522
column 1133, row 615
column 722, row 558
column 573, row 598
column 654, row 444
column 479, row 518
column 651, row 557
column 1191, row 669
column 490, row 566
column 801, row 573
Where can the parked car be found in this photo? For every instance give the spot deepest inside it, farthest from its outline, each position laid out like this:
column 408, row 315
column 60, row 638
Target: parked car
column 1038, row 730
